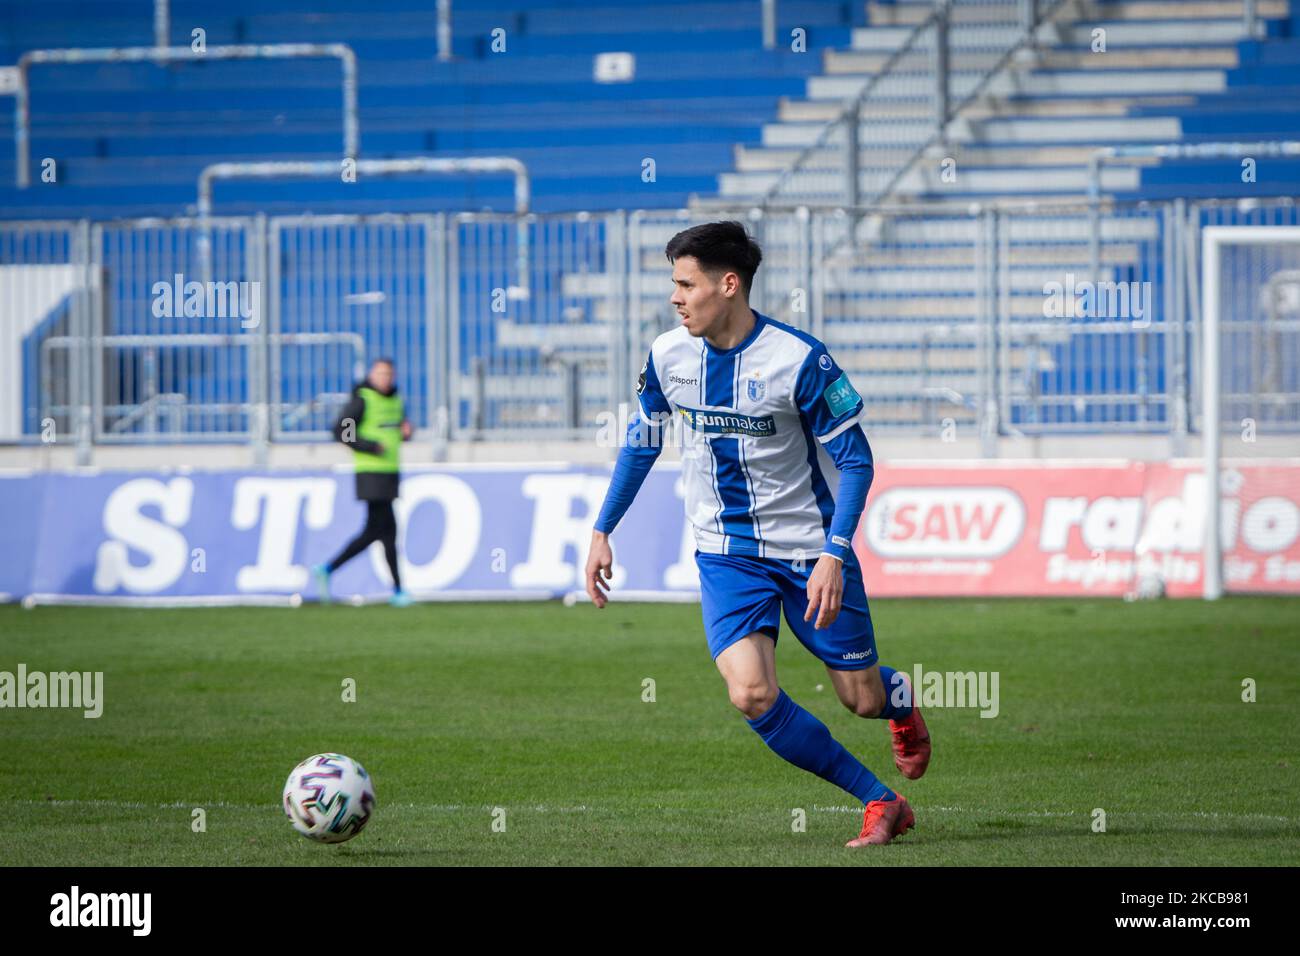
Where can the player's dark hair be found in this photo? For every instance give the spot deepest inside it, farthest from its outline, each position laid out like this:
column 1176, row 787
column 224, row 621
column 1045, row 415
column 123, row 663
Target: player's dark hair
column 384, row 360
column 720, row 247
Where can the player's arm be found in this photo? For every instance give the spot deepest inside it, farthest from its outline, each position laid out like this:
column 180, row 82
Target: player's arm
column 635, row 459
column 832, row 408
column 349, row 421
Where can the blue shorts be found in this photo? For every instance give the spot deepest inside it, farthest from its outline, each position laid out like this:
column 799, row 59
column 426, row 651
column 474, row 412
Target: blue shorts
column 741, row 595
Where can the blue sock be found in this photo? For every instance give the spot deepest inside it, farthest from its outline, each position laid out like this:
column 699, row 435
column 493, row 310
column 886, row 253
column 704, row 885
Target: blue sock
column 804, row 741
column 898, row 695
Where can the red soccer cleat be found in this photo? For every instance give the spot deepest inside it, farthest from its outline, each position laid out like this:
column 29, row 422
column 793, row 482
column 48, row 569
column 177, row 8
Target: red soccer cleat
column 911, row 744
column 882, row 820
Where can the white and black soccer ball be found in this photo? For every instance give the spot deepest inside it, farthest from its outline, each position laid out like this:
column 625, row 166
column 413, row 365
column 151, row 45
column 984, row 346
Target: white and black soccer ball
column 329, row 798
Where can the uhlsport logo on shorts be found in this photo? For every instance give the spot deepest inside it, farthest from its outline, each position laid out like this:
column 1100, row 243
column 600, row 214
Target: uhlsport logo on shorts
column 728, row 423
column 77, row 689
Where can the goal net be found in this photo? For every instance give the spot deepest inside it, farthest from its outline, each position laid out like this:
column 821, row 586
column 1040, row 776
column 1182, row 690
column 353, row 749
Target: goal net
column 1250, row 404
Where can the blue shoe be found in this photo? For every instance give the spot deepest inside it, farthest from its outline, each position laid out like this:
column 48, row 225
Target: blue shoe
column 322, row 576
column 400, row 599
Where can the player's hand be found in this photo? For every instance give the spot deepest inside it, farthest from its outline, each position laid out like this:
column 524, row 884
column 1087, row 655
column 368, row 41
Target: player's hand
column 406, row 430
column 825, row 591
column 600, row 568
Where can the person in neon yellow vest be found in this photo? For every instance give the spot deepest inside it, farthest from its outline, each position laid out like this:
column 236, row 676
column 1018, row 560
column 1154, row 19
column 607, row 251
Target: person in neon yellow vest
column 374, row 425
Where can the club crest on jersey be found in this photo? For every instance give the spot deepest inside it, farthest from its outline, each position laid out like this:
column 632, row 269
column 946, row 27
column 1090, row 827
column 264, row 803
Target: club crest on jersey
column 755, row 388
column 728, row 423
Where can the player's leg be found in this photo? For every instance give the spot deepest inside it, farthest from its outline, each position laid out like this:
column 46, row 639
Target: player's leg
column 386, row 526
column 740, row 598
column 883, row 693
column 877, row 691
column 748, row 666
column 368, row 535
column 861, row 691
column 864, row 685
column 848, row 649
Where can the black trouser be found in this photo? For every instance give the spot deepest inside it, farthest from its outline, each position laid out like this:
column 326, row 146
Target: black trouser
column 381, row 525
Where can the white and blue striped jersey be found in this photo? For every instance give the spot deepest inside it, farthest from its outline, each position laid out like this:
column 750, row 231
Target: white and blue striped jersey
column 764, row 427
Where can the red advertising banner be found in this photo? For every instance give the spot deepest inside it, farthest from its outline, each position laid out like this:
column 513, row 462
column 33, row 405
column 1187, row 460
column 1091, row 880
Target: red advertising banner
column 1048, row 528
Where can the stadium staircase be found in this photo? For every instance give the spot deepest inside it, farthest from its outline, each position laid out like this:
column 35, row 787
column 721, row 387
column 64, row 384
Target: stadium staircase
column 1173, row 71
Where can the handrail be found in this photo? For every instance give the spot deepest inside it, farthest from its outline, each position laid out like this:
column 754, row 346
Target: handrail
column 383, row 167
column 852, row 109
column 1033, row 16
column 156, row 54
column 1026, row 38
column 323, row 169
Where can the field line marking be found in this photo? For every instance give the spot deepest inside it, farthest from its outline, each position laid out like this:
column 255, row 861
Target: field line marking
column 583, row 808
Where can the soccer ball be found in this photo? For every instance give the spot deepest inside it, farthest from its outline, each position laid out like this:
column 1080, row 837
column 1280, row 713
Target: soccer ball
column 329, row 798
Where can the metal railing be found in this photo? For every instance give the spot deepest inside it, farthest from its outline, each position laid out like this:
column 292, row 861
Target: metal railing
column 162, row 23
column 444, row 31
column 406, row 166
column 1166, row 152
column 1137, row 152
column 990, row 320
column 153, row 413
column 769, row 24
column 164, row 54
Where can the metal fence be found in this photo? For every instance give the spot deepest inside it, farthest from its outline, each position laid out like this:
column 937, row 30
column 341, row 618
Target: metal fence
column 44, row 285
column 1007, row 319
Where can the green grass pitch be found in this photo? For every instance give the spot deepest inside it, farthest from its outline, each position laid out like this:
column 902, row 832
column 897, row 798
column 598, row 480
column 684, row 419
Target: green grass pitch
column 537, row 709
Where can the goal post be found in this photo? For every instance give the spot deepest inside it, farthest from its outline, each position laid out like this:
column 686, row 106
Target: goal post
column 1214, row 241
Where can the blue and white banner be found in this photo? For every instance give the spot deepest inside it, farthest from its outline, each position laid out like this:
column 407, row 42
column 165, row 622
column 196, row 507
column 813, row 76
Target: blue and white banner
column 250, row 537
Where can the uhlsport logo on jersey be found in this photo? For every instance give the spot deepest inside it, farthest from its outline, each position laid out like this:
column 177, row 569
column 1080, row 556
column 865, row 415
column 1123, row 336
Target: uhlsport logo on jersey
column 728, row 423
column 945, row 522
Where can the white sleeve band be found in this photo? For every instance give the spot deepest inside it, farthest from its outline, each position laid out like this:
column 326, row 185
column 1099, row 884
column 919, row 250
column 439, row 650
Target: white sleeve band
column 841, row 428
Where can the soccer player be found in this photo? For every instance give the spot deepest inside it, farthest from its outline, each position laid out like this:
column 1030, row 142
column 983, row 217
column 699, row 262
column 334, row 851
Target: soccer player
column 374, row 425
column 760, row 405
